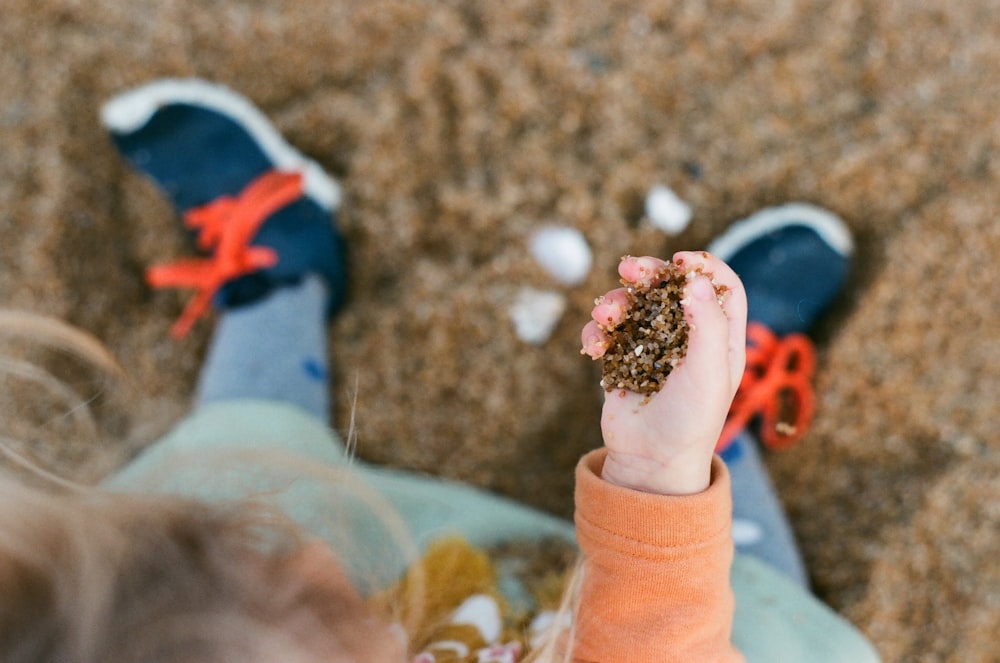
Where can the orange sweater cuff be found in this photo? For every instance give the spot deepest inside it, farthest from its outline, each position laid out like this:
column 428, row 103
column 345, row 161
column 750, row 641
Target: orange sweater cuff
column 638, row 517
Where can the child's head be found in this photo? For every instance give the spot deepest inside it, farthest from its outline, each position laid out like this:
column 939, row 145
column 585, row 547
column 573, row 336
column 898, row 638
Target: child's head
column 93, row 576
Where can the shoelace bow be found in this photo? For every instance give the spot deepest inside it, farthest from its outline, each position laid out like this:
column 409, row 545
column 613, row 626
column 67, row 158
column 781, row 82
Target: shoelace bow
column 225, row 228
column 776, row 386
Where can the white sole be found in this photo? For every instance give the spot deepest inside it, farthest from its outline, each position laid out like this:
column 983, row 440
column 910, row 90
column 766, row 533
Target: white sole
column 827, row 225
column 131, row 110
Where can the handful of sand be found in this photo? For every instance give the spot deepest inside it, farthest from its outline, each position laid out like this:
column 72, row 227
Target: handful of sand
column 652, row 339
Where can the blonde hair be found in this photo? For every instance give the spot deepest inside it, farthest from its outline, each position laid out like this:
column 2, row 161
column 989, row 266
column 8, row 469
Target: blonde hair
column 52, row 374
column 94, row 576
column 88, row 575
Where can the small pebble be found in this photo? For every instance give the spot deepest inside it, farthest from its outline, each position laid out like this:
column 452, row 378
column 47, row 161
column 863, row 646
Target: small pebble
column 666, row 211
column 563, row 252
column 535, row 314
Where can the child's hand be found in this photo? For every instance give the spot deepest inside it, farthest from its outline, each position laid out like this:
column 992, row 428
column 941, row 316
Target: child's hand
column 666, row 445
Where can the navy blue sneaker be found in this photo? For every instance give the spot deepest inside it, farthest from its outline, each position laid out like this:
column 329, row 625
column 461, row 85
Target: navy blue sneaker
column 263, row 213
column 793, row 261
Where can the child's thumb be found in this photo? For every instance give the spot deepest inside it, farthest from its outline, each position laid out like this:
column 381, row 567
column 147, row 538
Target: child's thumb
column 708, row 332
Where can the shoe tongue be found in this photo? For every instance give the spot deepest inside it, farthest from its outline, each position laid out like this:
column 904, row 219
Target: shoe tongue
column 194, row 154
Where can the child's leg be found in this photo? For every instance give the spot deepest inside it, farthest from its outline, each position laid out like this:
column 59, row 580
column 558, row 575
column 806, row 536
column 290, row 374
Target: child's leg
column 793, row 261
column 274, row 349
column 263, row 216
column 760, row 527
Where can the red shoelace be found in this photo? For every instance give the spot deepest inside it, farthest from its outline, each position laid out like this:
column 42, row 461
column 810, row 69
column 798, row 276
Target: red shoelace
column 225, row 228
column 776, row 387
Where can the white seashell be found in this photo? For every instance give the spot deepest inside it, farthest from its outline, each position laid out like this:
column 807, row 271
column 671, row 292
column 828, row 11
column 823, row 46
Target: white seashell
column 535, row 314
column 563, row 252
column 666, row 211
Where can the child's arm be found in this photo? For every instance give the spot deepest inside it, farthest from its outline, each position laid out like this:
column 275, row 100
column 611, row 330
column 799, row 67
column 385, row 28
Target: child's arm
column 653, row 508
column 666, row 446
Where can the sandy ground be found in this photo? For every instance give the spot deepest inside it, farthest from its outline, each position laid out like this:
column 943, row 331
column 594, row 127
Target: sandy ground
column 457, row 130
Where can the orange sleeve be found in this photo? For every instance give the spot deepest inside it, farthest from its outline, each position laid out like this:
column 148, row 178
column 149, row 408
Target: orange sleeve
column 655, row 581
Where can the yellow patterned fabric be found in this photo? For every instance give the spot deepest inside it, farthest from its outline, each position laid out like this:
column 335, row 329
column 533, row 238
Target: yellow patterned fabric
column 453, row 611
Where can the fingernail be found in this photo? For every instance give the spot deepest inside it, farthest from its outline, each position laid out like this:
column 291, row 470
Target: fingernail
column 701, row 289
column 607, row 313
column 637, row 270
column 594, row 347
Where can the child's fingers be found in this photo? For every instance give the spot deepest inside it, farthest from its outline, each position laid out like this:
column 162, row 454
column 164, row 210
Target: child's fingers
column 640, row 270
column 610, row 309
column 594, row 340
column 708, row 333
column 734, row 304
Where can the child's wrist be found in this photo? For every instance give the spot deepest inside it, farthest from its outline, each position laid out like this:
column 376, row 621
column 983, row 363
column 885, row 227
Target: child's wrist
column 685, row 474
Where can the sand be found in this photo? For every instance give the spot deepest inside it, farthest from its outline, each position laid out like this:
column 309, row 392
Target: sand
column 644, row 347
column 460, row 128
